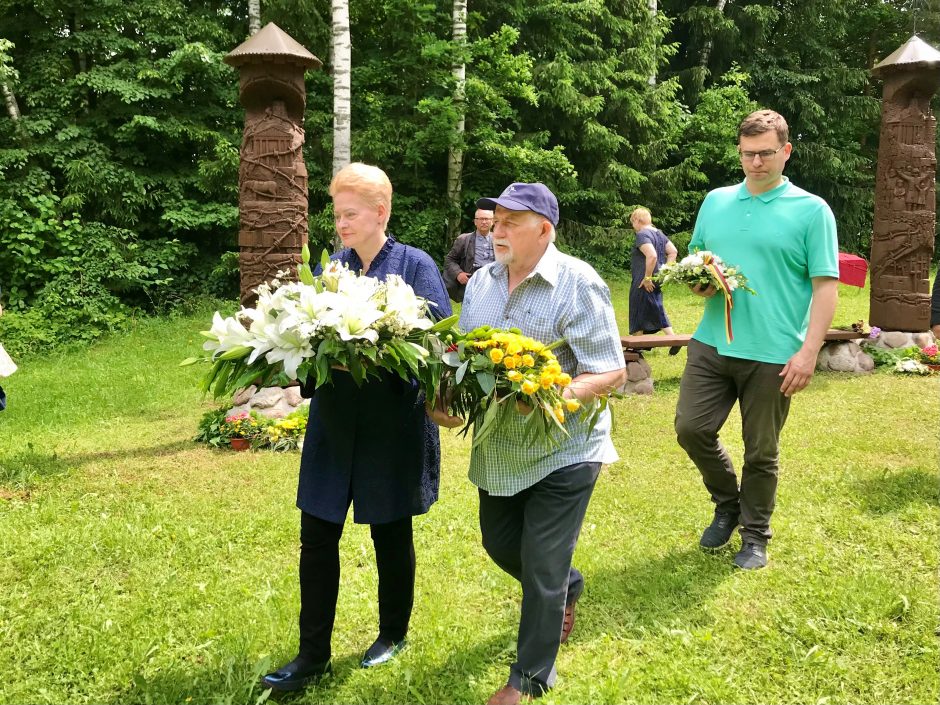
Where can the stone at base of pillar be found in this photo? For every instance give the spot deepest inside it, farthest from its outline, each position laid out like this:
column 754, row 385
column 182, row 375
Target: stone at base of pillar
column 892, row 339
column 272, row 402
column 844, row 356
column 639, row 378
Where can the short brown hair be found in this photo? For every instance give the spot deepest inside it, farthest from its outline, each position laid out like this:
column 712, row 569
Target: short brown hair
column 761, row 121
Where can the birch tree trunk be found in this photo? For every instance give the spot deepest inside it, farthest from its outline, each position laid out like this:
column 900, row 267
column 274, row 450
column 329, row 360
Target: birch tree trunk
column 254, row 17
column 653, row 8
column 10, row 100
column 342, row 70
column 707, row 47
column 455, row 154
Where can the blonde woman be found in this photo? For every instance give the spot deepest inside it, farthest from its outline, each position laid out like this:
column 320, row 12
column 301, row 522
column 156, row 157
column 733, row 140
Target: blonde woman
column 372, row 446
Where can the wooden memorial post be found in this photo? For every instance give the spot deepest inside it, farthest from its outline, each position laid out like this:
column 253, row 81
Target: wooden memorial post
column 905, row 204
column 272, row 178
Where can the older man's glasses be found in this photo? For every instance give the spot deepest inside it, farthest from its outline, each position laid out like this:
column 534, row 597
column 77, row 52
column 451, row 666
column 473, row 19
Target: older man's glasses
column 764, row 154
column 483, row 220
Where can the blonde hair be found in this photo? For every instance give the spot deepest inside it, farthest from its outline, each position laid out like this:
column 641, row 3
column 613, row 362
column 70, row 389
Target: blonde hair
column 642, row 215
column 368, row 182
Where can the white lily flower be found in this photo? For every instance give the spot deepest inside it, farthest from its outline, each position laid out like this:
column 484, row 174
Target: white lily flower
column 402, row 303
column 225, row 334
column 356, row 319
column 289, row 347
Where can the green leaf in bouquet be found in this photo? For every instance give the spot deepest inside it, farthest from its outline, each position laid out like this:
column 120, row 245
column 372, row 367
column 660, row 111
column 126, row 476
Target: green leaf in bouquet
column 206, row 383
column 391, row 351
column 489, row 421
column 445, row 324
column 370, row 352
column 461, row 371
column 480, row 362
column 487, row 381
column 219, row 388
column 236, row 353
column 303, row 270
column 247, row 377
column 452, row 359
column 355, row 367
column 600, row 403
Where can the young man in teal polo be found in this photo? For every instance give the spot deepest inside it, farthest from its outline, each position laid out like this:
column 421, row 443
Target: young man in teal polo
column 783, row 239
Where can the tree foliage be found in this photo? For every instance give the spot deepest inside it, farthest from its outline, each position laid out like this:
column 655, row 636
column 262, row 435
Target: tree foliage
column 118, row 185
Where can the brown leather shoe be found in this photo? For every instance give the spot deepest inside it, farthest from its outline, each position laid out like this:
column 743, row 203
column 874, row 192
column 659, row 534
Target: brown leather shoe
column 507, row 695
column 568, row 624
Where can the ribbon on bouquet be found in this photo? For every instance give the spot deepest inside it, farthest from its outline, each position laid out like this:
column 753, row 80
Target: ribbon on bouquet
column 721, row 284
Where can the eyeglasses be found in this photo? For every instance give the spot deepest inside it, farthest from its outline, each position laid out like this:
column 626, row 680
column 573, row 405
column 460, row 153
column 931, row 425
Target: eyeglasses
column 764, row 154
column 483, row 220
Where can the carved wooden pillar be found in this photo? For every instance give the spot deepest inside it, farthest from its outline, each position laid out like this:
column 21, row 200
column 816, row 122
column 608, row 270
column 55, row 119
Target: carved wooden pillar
column 905, row 204
column 272, row 177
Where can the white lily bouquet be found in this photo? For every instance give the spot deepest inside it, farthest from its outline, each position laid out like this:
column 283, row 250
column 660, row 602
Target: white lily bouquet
column 705, row 268
column 337, row 319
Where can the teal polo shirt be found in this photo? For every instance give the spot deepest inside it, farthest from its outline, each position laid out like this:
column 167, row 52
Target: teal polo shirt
column 779, row 240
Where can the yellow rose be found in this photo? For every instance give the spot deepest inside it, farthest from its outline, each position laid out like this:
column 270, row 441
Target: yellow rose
column 510, row 362
column 560, row 415
column 547, row 380
column 528, row 360
column 572, row 405
column 514, row 375
column 564, row 379
column 553, row 367
column 529, row 387
column 496, row 355
column 513, row 347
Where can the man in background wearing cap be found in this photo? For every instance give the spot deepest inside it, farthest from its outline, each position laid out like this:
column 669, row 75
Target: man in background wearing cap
column 533, row 498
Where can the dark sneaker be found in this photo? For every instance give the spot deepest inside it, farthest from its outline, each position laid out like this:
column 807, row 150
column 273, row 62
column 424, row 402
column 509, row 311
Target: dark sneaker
column 719, row 531
column 751, row 556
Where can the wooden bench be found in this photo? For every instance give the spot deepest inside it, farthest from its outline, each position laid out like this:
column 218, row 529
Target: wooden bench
column 633, row 345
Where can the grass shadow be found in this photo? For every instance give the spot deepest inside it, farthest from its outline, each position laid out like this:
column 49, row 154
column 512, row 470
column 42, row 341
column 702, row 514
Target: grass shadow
column 652, row 594
column 891, row 492
column 25, row 468
column 405, row 679
column 235, row 680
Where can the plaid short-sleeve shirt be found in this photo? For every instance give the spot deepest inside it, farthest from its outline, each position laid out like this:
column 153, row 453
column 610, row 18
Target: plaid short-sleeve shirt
column 562, row 297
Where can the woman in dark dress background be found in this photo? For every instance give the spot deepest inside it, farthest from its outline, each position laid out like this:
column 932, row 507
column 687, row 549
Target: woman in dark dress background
column 651, row 251
column 372, row 446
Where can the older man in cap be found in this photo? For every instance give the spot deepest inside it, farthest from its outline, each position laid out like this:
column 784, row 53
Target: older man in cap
column 533, row 498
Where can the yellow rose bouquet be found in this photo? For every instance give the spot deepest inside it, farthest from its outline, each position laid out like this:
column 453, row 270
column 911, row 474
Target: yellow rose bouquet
column 491, row 373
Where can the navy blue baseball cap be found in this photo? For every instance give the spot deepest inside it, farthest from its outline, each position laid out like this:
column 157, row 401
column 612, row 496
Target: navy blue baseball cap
column 525, row 197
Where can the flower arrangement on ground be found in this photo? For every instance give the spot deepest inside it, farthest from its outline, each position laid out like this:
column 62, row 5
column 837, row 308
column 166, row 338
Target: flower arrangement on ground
column 704, row 268
column 337, row 319
column 919, row 361
column 493, row 372
column 910, row 360
column 218, row 427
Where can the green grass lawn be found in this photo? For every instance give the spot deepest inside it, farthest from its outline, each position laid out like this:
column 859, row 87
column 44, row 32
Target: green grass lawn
column 140, row 567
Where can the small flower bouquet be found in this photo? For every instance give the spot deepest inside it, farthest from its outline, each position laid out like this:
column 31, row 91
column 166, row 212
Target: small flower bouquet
column 929, row 355
column 494, row 372
column 219, row 427
column 918, row 361
column 307, row 329
column 704, row 268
